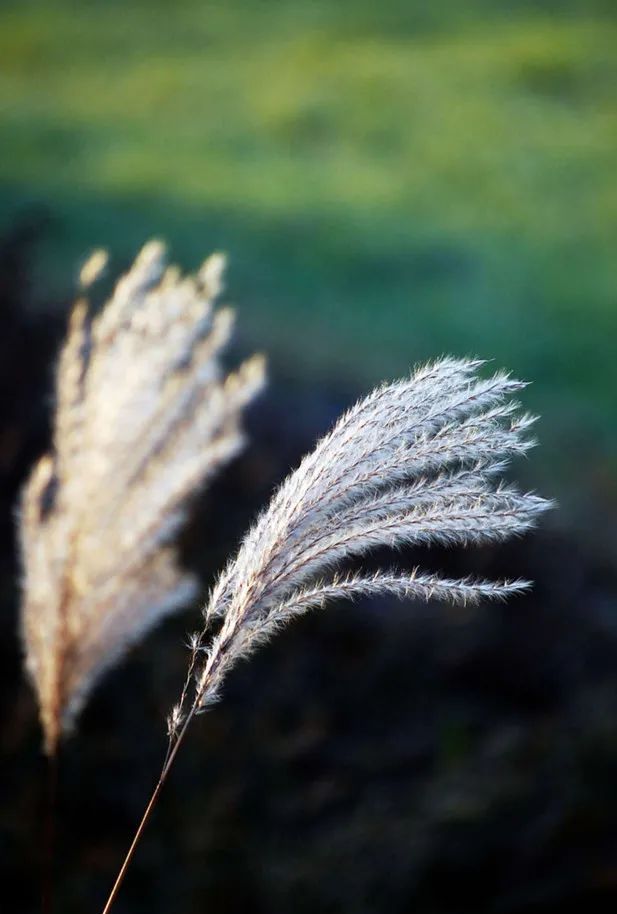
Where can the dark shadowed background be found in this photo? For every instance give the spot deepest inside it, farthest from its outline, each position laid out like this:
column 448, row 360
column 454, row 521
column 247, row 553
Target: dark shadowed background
column 391, row 181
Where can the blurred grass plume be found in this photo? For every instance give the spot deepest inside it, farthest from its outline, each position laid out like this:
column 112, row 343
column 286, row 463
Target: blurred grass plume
column 144, row 416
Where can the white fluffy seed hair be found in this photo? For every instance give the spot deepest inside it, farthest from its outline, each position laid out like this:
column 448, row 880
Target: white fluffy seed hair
column 414, row 463
column 144, row 416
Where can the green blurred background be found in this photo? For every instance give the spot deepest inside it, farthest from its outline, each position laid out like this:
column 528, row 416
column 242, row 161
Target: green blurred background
column 391, row 180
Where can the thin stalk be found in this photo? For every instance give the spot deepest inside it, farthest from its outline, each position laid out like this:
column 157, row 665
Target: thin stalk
column 49, row 835
column 167, row 764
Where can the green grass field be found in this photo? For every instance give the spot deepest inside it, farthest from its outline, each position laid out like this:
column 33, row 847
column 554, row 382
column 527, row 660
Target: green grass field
column 391, row 180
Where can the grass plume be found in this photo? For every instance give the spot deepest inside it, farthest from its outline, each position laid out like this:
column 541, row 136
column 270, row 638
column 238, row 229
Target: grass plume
column 416, row 462
column 144, row 415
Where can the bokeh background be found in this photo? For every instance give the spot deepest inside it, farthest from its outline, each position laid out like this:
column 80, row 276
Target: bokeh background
column 391, row 181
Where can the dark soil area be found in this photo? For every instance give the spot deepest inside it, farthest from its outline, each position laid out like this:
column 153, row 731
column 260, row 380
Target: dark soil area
column 377, row 758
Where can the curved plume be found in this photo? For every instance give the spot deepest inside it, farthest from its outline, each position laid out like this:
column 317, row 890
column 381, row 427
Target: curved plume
column 414, row 463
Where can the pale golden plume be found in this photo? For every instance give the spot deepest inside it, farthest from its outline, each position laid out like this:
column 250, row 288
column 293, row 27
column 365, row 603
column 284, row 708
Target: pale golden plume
column 144, row 416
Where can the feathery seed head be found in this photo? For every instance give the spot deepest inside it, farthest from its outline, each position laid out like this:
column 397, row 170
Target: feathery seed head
column 413, row 463
column 144, row 416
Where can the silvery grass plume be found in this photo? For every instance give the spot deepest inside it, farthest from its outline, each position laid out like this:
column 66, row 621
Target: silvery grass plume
column 416, row 462
column 144, row 415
